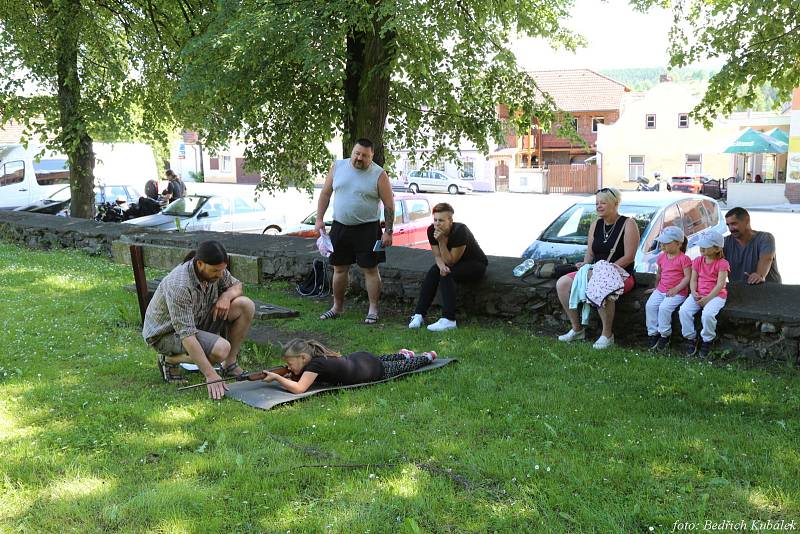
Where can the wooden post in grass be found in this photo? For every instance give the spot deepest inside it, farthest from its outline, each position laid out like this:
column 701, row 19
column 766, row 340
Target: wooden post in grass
column 137, row 262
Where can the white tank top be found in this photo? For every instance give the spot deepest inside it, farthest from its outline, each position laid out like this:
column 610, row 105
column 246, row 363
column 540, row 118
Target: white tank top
column 355, row 199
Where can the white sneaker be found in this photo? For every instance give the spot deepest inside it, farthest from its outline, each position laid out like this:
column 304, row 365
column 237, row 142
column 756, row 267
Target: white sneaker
column 441, row 325
column 603, row 342
column 416, row 321
column 572, row 335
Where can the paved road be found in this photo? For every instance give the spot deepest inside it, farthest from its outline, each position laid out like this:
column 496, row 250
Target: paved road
column 506, row 223
column 784, row 226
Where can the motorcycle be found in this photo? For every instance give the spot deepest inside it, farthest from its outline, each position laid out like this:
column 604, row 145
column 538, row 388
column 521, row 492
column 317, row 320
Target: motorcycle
column 660, row 185
column 118, row 211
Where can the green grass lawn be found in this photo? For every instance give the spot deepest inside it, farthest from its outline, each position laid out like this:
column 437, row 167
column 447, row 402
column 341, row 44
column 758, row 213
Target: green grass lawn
column 521, row 435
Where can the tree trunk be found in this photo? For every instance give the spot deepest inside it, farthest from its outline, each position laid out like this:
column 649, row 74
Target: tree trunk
column 366, row 88
column 73, row 138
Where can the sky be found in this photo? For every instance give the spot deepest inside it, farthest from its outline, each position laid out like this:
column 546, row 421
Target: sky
column 617, row 37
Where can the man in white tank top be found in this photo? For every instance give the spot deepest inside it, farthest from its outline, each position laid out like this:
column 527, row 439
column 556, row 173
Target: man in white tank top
column 360, row 185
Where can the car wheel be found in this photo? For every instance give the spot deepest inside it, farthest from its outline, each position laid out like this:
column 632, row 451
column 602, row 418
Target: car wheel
column 413, row 188
column 272, row 230
column 453, row 189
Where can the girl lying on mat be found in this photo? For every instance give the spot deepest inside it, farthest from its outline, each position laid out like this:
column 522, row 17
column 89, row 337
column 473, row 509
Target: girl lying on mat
column 312, row 361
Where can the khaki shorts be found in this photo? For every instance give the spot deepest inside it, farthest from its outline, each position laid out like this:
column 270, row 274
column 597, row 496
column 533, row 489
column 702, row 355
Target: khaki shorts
column 207, row 335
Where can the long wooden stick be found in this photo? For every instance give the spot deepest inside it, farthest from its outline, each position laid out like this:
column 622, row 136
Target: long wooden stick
column 137, row 262
column 238, row 378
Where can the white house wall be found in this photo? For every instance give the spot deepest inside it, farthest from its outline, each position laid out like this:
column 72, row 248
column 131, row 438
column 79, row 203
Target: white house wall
column 666, row 146
column 191, row 161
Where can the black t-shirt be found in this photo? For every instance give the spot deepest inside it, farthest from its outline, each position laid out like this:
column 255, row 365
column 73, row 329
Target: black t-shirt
column 461, row 236
column 175, row 187
column 356, row 368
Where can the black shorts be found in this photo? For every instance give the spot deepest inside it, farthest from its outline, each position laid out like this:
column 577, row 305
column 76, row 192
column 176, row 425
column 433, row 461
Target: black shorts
column 353, row 244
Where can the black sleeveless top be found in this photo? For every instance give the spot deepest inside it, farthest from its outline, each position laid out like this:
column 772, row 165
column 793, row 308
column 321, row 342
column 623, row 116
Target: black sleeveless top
column 604, row 239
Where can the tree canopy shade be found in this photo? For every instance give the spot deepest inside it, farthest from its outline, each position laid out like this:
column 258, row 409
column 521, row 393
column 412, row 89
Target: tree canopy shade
column 759, row 41
column 287, row 76
column 77, row 70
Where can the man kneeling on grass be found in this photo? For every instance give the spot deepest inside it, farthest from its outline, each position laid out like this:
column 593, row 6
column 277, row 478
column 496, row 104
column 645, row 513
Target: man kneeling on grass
column 199, row 310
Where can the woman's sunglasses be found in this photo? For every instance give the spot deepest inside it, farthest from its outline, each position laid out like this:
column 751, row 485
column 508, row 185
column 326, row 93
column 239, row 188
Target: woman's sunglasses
column 606, row 190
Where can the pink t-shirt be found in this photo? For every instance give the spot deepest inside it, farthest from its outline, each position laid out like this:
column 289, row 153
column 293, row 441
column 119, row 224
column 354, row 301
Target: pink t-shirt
column 672, row 272
column 707, row 274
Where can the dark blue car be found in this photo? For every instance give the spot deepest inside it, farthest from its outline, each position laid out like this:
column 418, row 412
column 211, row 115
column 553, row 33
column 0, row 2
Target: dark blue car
column 567, row 235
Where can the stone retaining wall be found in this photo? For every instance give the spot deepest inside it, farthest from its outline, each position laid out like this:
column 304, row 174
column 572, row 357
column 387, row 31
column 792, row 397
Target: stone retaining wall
column 759, row 322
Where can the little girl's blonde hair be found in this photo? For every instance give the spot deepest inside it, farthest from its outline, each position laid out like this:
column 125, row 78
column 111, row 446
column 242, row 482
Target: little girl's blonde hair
column 718, row 253
column 312, row 347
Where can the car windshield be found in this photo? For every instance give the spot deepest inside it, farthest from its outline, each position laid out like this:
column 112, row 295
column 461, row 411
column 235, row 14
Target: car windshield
column 110, row 193
column 572, row 226
column 185, row 206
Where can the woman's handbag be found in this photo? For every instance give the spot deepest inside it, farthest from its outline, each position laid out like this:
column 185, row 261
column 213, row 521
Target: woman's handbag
column 553, row 268
column 564, row 268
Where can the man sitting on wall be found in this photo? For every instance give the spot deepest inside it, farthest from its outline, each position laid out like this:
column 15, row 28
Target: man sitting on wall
column 751, row 254
column 199, row 310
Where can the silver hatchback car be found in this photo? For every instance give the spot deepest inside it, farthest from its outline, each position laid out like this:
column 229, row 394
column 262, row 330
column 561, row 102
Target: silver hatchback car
column 436, row 182
column 214, row 213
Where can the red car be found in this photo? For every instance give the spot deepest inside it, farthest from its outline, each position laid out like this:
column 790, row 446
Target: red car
column 412, row 216
column 689, row 184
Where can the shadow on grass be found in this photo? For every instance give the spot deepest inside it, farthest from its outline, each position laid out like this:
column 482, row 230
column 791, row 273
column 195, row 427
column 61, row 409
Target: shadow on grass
column 547, row 437
column 154, row 437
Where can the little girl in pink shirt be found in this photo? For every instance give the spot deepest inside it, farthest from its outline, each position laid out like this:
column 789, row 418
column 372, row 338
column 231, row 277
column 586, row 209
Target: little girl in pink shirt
column 672, row 286
column 709, row 293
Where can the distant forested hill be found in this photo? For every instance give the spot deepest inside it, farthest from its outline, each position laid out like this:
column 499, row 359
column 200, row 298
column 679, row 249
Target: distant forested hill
column 642, row 79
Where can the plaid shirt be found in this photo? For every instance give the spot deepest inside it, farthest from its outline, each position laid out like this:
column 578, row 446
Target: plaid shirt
column 181, row 302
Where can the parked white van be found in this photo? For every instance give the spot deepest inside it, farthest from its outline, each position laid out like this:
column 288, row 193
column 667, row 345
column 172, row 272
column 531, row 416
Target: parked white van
column 26, row 178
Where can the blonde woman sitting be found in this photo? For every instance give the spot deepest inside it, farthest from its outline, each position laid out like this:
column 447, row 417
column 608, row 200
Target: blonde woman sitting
column 611, row 234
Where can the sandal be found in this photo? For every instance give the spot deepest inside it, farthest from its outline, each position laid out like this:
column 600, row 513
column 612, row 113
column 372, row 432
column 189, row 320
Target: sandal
column 371, row 318
column 330, row 314
column 170, row 372
column 228, row 371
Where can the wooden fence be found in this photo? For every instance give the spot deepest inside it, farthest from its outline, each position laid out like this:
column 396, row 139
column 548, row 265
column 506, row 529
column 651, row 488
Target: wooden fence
column 572, row 179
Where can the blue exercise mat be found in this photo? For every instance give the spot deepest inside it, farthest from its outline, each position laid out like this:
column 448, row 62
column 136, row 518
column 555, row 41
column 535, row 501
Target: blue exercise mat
column 266, row 395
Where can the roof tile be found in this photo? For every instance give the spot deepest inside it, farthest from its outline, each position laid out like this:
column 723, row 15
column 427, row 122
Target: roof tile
column 580, row 89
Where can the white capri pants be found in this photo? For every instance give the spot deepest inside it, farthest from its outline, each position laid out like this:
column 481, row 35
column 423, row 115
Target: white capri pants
column 708, row 319
column 658, row 312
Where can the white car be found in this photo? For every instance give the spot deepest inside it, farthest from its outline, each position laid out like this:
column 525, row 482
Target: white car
column 436, row 182
column 214, row 213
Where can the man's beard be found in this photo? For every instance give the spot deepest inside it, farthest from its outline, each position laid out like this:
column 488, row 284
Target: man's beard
column 206, row 278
